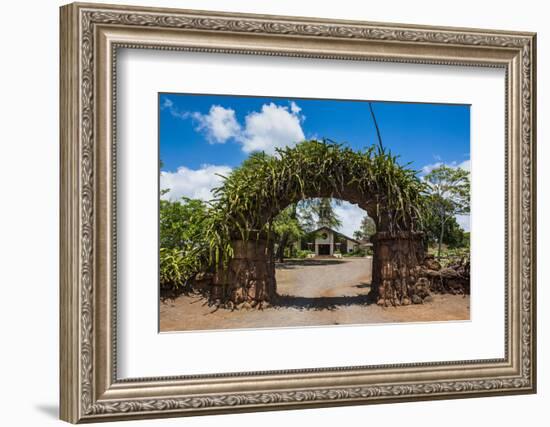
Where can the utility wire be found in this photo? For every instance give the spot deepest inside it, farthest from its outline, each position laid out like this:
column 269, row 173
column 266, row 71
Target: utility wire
column 377, row 129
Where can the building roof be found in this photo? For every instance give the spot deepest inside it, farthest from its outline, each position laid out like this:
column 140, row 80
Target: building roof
column 324, row 227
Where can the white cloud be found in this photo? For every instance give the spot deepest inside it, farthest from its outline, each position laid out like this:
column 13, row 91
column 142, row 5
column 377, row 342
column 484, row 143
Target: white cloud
column 454, row 164
column 168, row 104
column 428, row 168
column 220, row 124
column 351, row 216
column 193, row 183
column 294, row 108
column 272, row 127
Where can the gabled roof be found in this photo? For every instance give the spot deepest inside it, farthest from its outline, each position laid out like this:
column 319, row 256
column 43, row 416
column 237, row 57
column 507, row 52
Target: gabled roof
column 324, row 227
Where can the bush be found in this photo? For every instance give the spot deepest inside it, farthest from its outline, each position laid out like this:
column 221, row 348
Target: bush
column 185, row 249
column 359, row 252
column 450, row 256
column 172, row 268
column 303, row 254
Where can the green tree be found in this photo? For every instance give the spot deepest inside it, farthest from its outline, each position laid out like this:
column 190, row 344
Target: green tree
column 366, row 229
column 181, row 222
column 287, row 229
column 184, row 247
column 318, row 212
column 306, row 216
column 449, row 195
column 454, row 236
column 326, row 215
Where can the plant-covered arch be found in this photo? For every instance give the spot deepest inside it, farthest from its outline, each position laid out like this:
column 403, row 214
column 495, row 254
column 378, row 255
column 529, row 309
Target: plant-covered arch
column 241, row 219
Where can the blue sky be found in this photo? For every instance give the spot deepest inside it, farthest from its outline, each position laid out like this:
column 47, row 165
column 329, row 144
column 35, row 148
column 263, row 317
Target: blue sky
column 202, row 136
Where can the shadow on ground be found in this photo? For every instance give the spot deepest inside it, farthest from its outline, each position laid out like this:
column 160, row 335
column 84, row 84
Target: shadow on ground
column 320, row 303
column 363, row 285
column 170, row 295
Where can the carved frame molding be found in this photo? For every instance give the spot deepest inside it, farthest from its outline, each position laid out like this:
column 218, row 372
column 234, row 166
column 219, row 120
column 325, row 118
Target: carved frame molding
column 90, row 37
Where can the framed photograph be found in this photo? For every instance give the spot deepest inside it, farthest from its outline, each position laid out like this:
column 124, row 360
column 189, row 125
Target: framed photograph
column 267, row 212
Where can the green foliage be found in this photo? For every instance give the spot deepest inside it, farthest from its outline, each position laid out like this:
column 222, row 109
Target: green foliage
column 317, row 212
column 303, row 253
column 450, row 187
column 287, row 224
column 465, row 240
column 367, row 229
column 306, row 216
column 322, row 207
column 254, row 194
column 359, row 252
column 172, row 268
column 287, row 230
column 453, row 235
column 450, row 256
column 181, row 222
column 184, row 245
column 448, row 195
column 299, row 219
column 250, row 203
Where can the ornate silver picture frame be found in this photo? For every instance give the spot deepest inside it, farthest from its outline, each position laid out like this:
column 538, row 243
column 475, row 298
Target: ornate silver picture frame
column 91, row 390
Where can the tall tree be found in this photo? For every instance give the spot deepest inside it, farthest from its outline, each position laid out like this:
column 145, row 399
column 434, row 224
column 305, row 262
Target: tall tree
column 288, row 230
column 454, row 236
column 326, row 214
column 318, row 212
column 449, row 195
column 366, row 229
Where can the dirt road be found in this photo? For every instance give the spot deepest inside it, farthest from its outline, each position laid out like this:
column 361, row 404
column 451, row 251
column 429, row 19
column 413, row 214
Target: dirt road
column 311, row 293
column 324, row 277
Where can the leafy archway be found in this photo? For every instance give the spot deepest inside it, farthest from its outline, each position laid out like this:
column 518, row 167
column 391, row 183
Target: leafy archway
column 241, row 222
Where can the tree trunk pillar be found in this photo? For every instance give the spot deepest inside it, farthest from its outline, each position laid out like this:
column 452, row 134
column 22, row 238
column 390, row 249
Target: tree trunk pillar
column 396, row 267
column 249, row 276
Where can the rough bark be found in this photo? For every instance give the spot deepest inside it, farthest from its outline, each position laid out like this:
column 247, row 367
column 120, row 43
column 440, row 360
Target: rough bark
column 396, row 268
column 402, row 274
column 399, row 276
column 249, row 277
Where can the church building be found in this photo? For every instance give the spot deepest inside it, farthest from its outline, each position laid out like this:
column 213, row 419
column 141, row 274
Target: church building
column 327, row 242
